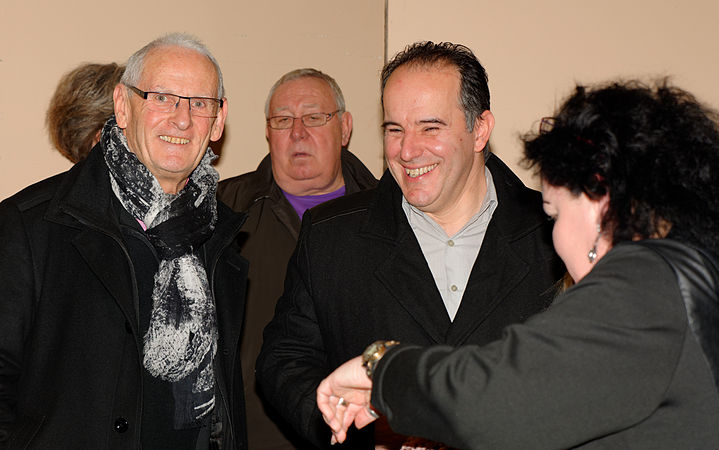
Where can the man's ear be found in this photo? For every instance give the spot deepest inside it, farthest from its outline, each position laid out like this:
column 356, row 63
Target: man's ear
column 122, row 105
column 219, row 126
column 483, row 126
column 346, row 128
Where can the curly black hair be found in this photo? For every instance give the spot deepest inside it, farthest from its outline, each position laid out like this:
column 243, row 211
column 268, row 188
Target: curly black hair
column 653, row 149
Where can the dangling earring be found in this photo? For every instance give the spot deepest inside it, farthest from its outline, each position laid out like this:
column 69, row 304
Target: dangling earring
column 592, row 255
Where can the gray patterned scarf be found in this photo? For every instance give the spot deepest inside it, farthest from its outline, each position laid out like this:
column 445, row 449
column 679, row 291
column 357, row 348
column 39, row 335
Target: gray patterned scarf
column 181, row 341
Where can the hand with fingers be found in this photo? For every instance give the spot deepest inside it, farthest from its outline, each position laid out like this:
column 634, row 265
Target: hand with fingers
column 344, row 398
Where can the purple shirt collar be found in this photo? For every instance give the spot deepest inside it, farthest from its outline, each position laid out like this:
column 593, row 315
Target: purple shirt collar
column 302, row 203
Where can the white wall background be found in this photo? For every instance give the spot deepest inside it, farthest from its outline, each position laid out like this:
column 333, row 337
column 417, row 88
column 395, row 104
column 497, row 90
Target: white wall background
column 535, row 51
column 254, row 41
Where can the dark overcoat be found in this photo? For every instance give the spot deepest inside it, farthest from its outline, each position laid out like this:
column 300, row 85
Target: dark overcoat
column 358, row 275
column 267, row 238
column 70, row 348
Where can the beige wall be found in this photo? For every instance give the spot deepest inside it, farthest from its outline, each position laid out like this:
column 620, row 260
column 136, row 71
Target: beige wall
column 535, row 51
column 255, row 43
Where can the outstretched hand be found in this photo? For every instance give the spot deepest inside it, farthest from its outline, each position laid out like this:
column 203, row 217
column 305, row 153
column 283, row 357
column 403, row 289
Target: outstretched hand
column 344, row 398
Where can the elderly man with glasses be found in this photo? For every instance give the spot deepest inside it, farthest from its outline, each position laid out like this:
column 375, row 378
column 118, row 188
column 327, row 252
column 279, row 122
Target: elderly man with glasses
column 121, row 290
column 307, row 130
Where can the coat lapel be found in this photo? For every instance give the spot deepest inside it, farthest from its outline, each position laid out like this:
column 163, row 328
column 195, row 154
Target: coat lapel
column 227, row 272
column 84, row 201
column 406, row 275
column 497, row 270
column 284, row 211
column 108, row 262
column 404, row 272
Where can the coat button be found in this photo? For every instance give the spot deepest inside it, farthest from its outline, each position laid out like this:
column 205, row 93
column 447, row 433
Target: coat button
column 121, row 425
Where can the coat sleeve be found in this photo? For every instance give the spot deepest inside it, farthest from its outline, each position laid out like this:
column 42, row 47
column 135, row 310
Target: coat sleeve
column 600, row 360
column 293, row 359
column 16, row 300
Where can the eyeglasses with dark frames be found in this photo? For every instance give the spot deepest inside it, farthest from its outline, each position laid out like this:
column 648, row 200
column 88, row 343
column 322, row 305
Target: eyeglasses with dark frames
column 308, row 120
column 163, row 102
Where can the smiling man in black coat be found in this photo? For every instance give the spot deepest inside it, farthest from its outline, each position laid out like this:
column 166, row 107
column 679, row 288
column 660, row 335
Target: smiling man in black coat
column 121, row 294
column 450, row 248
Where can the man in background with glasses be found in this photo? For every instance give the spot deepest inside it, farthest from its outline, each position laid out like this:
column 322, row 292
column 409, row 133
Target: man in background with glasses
column 308, row 130
column 121, row 293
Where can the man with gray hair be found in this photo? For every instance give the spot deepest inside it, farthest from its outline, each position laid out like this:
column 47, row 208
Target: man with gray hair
column 307, row 130
column 121, row 290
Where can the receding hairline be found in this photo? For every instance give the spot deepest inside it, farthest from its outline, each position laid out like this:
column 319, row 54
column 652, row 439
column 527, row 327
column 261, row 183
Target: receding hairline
column 324, row 83
column 417, row 65
column 164, row 47
column 431, row 66
column 304, row 73
column 136, row 62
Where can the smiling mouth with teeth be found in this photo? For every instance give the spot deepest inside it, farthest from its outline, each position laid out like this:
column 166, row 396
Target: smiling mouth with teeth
column 174, row 140
column 414, row 173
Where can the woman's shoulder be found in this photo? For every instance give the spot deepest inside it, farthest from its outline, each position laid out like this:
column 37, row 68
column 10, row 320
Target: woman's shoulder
column 634, row 257
column 630, row 279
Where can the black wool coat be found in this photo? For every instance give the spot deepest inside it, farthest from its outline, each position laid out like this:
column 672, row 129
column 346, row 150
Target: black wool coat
column 70, row 349
column 358, row 275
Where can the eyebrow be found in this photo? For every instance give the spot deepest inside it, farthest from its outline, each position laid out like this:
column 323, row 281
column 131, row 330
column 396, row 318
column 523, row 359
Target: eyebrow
column 163, row 90
column 389, row 124
column 433, row 120
column 304, row 105
column 420, row 122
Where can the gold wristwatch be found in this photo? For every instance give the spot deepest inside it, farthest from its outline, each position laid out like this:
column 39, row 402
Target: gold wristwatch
column 374, row 353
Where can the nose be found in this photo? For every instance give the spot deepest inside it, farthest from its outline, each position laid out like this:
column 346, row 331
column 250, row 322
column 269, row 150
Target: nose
column 299, row 131
column 181, row 116
column 409, row 147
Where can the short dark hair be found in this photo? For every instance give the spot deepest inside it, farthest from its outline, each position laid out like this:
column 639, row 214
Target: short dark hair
column 653, row 149
column 474, row 91
column 80, row 106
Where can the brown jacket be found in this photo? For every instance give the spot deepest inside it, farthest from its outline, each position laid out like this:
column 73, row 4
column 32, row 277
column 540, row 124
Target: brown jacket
column 268, row 238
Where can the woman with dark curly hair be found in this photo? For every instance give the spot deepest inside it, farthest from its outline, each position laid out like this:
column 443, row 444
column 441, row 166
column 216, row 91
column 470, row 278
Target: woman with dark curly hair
column 80, row 106
column 625, row 358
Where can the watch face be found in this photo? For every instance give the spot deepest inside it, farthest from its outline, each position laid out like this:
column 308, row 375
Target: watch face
column 371, row 351
column 374, row 353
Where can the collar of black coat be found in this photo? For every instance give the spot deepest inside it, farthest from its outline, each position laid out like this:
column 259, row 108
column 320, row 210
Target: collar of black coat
column 519, row 210
column 84, row 198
